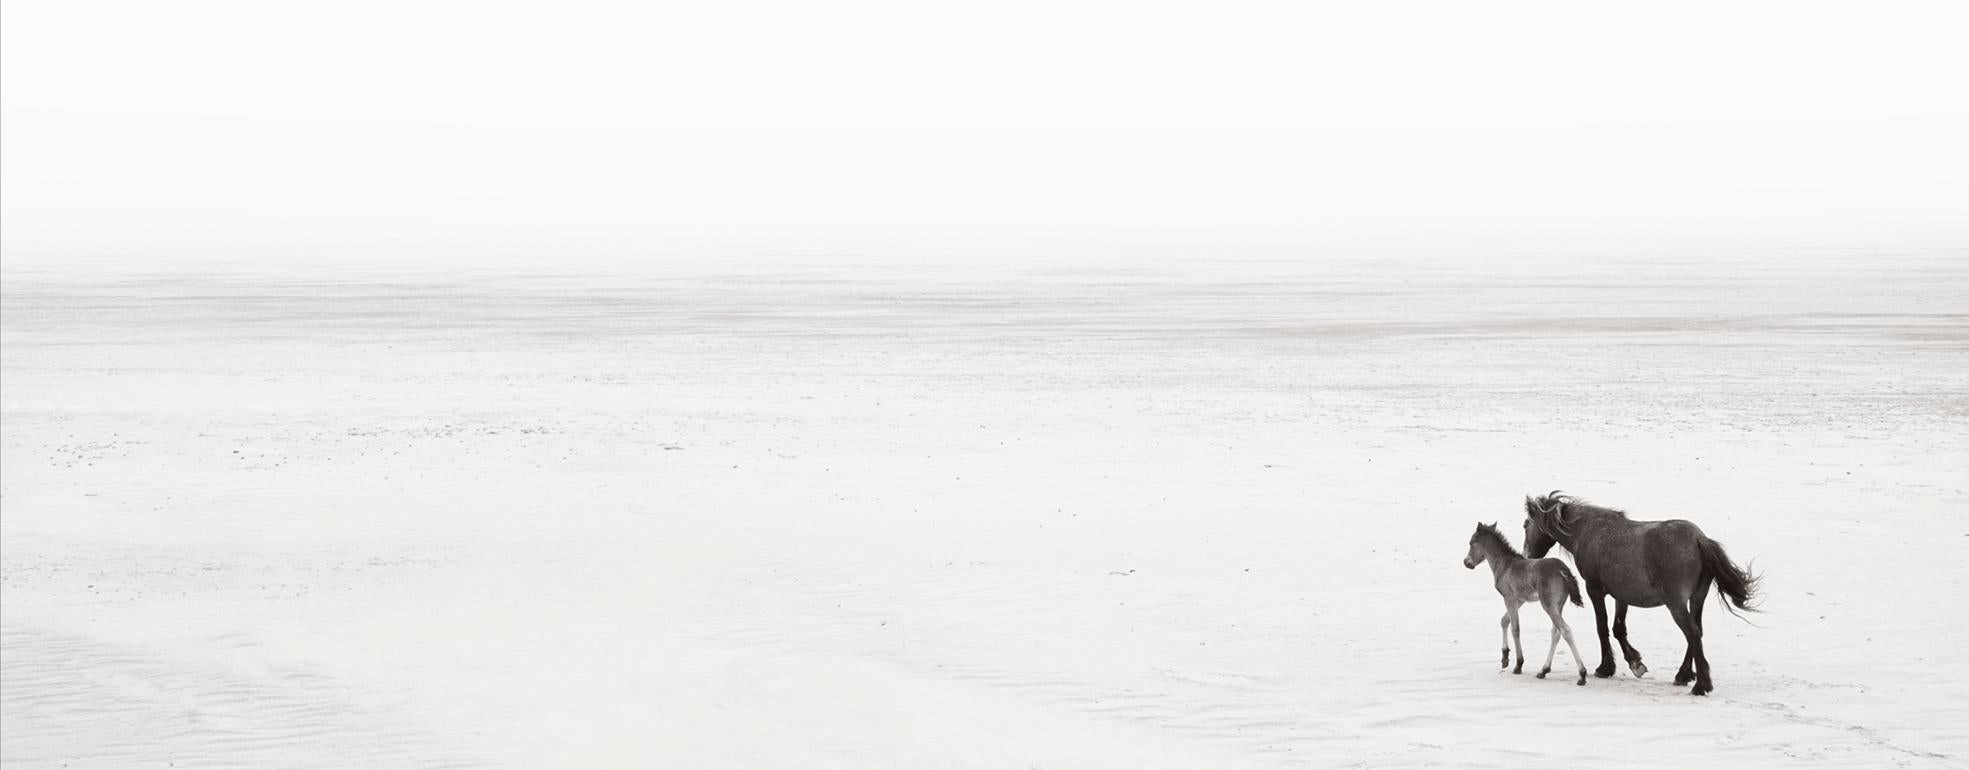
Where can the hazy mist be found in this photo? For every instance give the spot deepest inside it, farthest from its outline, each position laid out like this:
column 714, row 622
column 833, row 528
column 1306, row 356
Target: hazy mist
column 429, row 132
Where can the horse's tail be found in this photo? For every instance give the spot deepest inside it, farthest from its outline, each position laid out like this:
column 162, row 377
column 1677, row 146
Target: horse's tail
column 1737, row 584
column 1572, row 585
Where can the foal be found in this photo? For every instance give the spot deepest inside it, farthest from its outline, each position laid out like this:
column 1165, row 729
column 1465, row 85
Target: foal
column 1546, row 581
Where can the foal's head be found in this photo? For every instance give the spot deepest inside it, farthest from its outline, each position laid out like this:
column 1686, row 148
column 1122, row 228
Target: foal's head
column 1487, row 543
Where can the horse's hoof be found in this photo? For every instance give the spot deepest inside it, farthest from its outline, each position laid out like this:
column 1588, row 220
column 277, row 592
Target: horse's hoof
column 1638, row 668
column 1604, row 671
column 1702, row 688
column 1684, row 678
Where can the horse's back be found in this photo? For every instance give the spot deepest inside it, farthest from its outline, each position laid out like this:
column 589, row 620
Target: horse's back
column 1552, row 578
column 1673, row 542
column 1673, row 529
column 1549, row 567
column 1648, row 562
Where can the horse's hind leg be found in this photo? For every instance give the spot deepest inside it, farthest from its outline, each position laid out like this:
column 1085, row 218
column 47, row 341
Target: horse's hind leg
column 1693, row 632
column 1553, row 607
column 1566, row 631
column 1560, row 629
column 1627, row 651
column 1518, row 640
column 1687, row 673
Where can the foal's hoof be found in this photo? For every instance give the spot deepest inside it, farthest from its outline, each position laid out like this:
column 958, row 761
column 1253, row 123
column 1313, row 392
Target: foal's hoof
column 1548, row 670
column 1582, row 679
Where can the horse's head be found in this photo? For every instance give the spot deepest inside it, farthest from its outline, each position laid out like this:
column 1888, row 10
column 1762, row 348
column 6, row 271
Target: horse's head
column 1544, row 524
column 1477, row 550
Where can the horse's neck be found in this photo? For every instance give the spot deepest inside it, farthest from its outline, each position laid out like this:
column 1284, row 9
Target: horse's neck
column 1588, row 522
column 1587, row 527
column 1500, row 562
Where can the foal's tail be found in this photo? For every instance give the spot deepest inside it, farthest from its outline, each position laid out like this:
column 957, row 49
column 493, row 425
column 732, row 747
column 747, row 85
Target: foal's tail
column 1737, row 584
column 1572, row 585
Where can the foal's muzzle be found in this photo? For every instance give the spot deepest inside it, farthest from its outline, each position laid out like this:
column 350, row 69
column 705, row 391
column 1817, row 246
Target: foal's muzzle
column 1467, row 564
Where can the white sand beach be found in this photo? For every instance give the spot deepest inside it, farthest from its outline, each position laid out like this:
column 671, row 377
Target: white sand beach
column 847, row 517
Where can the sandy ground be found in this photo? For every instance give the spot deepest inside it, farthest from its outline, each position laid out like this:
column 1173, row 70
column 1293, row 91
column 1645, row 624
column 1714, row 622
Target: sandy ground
column 986, row 518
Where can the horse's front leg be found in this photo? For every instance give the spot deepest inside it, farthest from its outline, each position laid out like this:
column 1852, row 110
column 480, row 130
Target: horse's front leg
column 1504, row 634
column 1599, row 596
column 1627, row 651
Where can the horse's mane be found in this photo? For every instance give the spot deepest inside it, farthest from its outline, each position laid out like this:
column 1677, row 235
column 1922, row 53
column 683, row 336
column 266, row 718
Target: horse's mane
column 1490, row 532
column 1575, row 506
column 1556, row 512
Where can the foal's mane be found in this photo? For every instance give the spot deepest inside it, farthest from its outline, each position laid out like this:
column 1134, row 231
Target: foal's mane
column 1486, row 531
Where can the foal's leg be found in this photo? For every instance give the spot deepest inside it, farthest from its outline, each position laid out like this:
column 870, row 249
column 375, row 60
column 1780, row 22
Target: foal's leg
column 1517, row 640
column 1504, row 634
column 1687, row 673
column 1627, row 651
column 1566, row 631
column 1599, row 596
column 1553, row 606
column 1693, row 632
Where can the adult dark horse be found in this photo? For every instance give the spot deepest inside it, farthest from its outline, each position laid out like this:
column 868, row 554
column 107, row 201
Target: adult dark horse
column 1644, row 564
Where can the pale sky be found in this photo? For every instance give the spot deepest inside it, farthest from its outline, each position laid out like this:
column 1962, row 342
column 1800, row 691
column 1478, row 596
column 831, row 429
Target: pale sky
column 435, row 131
